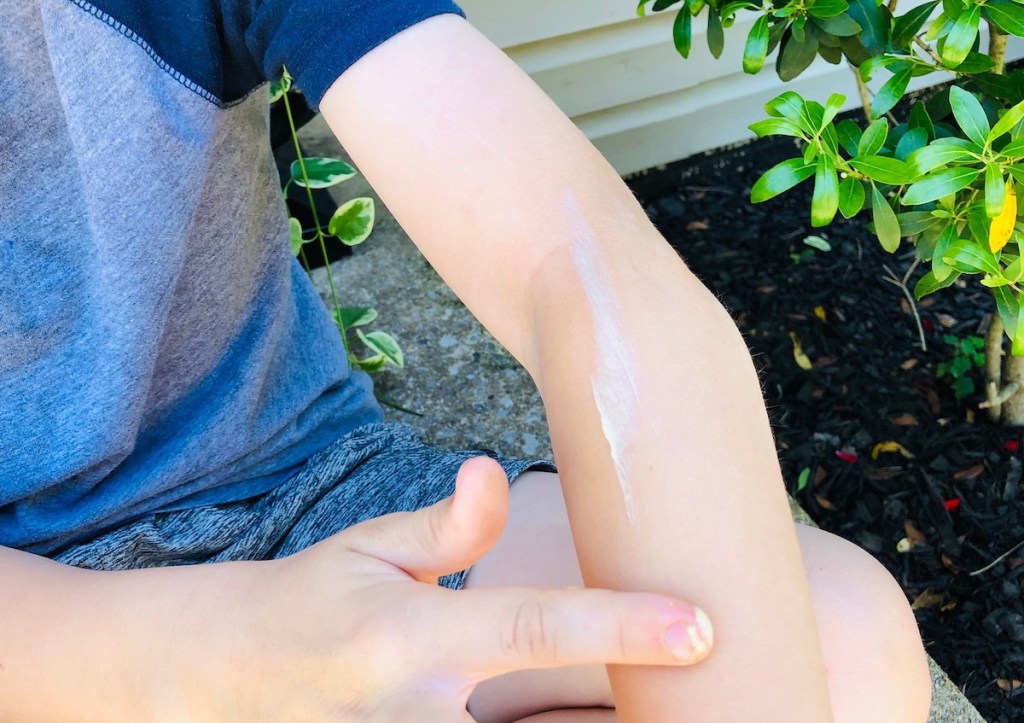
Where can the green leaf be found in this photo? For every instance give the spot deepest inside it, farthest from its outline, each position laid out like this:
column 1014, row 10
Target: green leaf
column 322, row 172
column 961, row 37
column 853, row 50
column 927, row 159
column 716, row 37
column 1007, row 15
column 969, row 114
column 887, row 226
column 970, row 258
column 353, row 222
column 841, row 26
column 779, row 178
column 788, row 105
column 1005, row 124
column 280, row 86
column 915, row 222
column 775, row 127
column 385, row 344
column 919, row 118
column 849, row 134
column 890, row 93
column 681, row 32
column 975, row 63
column 825, row 200
column 802, row 480
column 1008, row 305
column 995, row 191
column 756, row 48
column 928, row 284
column 817, row 242
column 851, row 197
column 913, row 140
column 939, row 184
column 883, row 169
column 873, row 139
column 1014, row 149
column 796, row 55
column 295, row 232
column 833, row 105
column 660, row 5
column 940, row 268
column 873, row 20
column 909, row 24
column 353, row 316
column 1017, row 346
column 827, row 8
column 370, row 364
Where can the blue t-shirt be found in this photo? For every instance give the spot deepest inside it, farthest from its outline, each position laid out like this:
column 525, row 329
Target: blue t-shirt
column 159, row 346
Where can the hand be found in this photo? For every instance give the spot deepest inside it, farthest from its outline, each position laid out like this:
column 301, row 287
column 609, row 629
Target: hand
column 355, row 628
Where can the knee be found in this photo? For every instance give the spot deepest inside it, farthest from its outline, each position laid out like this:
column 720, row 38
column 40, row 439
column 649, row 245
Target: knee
column 876, row 664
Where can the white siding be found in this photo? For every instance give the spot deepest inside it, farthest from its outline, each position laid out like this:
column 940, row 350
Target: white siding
column 620, row 79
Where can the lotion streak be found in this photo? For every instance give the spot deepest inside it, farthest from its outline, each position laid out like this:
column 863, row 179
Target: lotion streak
column 615, row 393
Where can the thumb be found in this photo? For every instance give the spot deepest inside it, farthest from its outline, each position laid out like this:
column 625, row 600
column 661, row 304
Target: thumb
column 446, row 537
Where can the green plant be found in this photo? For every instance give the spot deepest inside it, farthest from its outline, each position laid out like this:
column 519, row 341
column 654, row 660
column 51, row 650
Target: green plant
column 351, row 224
column 946, row 178
column 812, row 243
column 968, row 354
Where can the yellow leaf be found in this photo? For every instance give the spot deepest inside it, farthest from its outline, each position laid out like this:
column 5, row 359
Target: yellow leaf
column 1002, row 225
column 890, row 447
column 802, row 360
column 819, row 311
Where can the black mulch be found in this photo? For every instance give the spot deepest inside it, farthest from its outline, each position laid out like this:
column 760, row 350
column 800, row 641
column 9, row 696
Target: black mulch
column 958, row 499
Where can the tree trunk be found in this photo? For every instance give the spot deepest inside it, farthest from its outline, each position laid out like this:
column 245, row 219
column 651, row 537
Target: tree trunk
column 1004, row 379
column 1013, row 407
column 994, row 367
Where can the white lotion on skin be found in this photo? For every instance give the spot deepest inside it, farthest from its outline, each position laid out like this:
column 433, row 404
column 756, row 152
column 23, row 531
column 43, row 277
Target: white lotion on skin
column 615, row 393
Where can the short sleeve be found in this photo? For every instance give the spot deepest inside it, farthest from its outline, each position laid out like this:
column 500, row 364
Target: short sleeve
column 317, row 40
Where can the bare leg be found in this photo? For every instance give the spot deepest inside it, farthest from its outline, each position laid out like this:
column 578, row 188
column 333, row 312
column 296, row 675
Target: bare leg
column 875, row 662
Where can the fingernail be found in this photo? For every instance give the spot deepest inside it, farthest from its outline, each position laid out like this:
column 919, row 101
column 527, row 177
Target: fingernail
column 691, row 642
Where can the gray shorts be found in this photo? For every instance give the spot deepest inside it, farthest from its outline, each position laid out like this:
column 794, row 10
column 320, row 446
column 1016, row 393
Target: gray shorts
column 375, row 470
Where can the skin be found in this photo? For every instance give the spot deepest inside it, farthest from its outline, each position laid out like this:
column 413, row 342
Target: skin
column 353, row 629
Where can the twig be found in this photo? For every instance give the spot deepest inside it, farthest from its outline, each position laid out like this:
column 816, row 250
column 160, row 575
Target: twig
column 1008, row 391
column 928, row 49
column 893, row 279
column 998, row 559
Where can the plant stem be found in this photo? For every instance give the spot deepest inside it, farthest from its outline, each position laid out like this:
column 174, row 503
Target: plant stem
column 316, row 222
column 865, row 95
column 997, row 47
column 930, row 50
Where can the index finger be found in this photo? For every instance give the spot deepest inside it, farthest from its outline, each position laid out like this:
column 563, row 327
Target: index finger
column 508, row 629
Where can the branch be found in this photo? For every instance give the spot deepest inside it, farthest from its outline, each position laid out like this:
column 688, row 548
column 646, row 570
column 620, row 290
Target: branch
column 928, row 49
column 902, row 285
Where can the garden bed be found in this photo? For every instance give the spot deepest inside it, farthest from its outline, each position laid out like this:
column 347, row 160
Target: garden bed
column 873, row 443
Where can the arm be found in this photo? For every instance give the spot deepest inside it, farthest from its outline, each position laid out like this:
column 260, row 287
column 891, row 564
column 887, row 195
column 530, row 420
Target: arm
column 658, row 425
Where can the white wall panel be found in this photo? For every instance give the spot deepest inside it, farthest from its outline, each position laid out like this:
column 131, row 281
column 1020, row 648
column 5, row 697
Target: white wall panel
column 619, row 78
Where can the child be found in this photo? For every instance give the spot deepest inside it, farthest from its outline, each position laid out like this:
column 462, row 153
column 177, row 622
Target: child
column 171, row 392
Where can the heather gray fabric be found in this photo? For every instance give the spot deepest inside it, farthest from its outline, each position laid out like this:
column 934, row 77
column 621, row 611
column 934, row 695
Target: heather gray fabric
column 159, row 347
column 375, row 470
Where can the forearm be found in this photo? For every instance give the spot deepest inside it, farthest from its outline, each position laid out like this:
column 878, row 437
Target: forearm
column 670, row 475
column 79, row 645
